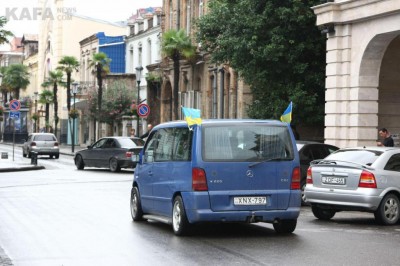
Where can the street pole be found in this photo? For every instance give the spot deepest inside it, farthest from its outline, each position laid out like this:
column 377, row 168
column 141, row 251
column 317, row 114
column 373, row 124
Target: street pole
column 138, row 76
column 36, row 97
column 74, row 91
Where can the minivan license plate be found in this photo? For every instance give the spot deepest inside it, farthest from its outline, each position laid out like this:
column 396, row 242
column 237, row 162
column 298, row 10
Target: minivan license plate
column 333, row 180
column 250, row 200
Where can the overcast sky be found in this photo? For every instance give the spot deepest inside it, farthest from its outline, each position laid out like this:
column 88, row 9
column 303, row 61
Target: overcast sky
column 21, row 13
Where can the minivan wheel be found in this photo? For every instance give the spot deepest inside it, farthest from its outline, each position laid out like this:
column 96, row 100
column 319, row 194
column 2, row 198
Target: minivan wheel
column 285, row 226
column 136, row 206
column 79, row 162
column 114, row 167
column 388, row 211
column 180, row 223
column 322, row 214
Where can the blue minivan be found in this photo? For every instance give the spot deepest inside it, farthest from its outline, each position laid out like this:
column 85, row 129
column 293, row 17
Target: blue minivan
column 220, row 171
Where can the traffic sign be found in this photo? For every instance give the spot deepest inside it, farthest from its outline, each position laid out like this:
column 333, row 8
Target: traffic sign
column 14, row 115
column 143, row 110
column 15, row 105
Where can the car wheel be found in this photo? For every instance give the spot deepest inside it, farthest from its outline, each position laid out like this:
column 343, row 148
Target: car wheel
column 388, row 211
column 136, row 206
column 57, row 156
column 285, row 226
column 79, row 162
column 114, row 167
column 322, row 214
column 180, row 224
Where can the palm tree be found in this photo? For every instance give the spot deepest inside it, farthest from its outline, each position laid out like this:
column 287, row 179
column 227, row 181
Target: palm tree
column 54, row 79
column 68, row 64
column 46, row 97
column 16, row 76
column 177, row 45
column 101, row 62
column 4, row 34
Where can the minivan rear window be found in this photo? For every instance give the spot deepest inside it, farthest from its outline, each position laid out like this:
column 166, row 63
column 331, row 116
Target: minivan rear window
column 246, row 142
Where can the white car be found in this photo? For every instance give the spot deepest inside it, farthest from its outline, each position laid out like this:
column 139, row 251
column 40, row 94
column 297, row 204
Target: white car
column 43, row 144
column 356, row 179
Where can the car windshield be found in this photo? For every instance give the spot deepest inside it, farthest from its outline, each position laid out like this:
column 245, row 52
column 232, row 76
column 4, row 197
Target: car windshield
column 246, row 142
column 130, row 143
column 366, row 157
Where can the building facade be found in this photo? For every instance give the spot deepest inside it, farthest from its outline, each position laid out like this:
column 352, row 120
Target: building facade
column 216, row 90
column 363, row 71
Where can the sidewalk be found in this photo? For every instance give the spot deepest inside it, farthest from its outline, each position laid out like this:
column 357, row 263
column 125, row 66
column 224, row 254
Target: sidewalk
column 24, row 164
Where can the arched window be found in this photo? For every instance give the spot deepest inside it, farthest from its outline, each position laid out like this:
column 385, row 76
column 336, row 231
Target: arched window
column 140, row 54
column 171, row 14
column 130, row 59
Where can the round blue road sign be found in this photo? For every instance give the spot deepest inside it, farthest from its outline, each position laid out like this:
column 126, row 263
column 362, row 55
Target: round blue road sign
column 15, row 105
column 143, row 110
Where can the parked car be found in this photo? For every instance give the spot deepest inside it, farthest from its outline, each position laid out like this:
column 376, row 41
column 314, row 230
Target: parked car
column 308, row 152
column 222, row 171
column 356, row 179
column 109, row 152
column 42, row 143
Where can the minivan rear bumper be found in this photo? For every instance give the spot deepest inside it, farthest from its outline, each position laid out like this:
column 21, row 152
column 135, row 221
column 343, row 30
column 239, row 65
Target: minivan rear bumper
column 198, row 210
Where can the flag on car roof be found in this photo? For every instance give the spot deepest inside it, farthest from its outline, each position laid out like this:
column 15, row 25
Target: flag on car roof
column 192, row 116
column 287, row 115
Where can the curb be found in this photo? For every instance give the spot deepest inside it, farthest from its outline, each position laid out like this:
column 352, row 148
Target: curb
column 23, row 168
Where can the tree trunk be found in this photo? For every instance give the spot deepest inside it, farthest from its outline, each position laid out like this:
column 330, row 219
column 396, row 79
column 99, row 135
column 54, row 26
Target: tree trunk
column 55, row 101
column 176, row 87
column 69, row 92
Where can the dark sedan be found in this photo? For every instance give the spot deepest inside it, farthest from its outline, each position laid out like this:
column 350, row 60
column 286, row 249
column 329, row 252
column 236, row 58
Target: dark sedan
column 309, row 151
column 109, row 152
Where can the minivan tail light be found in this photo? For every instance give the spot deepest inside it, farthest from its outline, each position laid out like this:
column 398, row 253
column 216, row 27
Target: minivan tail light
column 128, row 154
column 367, row 180
column 309, row 176
column 55, row 144
column 295, row 178
column 199, row 180
column 33, row 143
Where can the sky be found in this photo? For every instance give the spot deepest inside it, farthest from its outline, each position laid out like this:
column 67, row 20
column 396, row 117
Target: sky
column 23, row 19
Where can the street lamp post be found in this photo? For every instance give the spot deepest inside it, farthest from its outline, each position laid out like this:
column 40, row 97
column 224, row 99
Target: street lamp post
column 36, row 98
column 74, row 91
column 138, row 76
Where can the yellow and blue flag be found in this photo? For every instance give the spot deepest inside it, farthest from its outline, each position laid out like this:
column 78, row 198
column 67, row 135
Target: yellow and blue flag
column 192, row 116
column 287, row 115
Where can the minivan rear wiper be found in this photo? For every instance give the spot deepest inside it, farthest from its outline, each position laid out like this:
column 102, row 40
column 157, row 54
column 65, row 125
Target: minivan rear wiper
column 268, row 160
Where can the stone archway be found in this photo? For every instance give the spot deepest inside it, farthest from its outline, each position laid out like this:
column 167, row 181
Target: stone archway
column 361, row 73
column 389, row 89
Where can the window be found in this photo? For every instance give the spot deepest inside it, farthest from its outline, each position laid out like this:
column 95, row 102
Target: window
column 169, row 144
column 244, row 143
column 393, row 163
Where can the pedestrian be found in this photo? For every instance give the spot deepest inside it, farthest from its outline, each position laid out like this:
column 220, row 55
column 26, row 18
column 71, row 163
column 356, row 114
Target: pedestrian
column 133, row 133
column 145, row 135
column 387, row 139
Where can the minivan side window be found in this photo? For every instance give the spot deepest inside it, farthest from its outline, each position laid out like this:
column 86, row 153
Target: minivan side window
column 169, row 144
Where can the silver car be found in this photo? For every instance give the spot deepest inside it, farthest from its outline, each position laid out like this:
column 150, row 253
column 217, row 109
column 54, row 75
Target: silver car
column 43, row 144
column 356, row 179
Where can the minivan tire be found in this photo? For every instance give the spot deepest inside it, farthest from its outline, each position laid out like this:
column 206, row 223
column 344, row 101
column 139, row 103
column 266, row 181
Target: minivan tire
column 285, row 226
column 136, row 206
column 180, row 223
column 388, row 211
column 322, row 214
